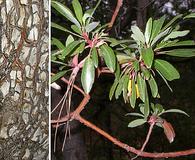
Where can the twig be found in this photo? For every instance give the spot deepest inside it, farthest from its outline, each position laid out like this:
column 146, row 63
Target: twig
column 146, row 141
column 118, row 6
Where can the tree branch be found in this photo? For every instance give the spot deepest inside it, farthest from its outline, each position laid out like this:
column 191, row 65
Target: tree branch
column 131, row 149
column 118, row 6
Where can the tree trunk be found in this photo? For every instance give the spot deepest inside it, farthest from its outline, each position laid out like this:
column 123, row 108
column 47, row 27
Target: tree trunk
column 24, row 79
column 142, row 12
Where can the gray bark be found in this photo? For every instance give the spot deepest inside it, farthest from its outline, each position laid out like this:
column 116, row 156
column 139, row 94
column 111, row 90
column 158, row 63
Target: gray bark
column 24, row 79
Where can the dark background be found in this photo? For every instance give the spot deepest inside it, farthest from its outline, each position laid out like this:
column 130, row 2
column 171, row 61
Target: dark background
column 110, row 115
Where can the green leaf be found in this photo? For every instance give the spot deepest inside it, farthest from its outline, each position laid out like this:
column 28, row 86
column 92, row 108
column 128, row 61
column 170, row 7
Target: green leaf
column 136, row 65
column 146, row 73
column 76, row 29
column 158, row 109
column 166, row 69
column 123, row 58
column 91, row 26
column 164, row 79
column 85, row 17
column 157, row 25
column 78, row 10
column 181, row 52
column 57, row 42
column 57, row 76
column 54, row 25
column 135, row 114
column 69, row 49
column 153, row 86
column 137, row 34
column 113, row 88
column 94, row 56
column 133, row 95
column 175, row 111
column 172, row 22
column 146, row 105
column 109, row 57
column 125, row 87
column 69, row 40
column 148, row 30
column 119, row 88
column 176, row 34
column 65, row 12
column 148, row 56
column 88, row 75
column 183, row 43
column 136, row 123
column 160, row 36
column 117, row 71
column 80, row 49
column 141, row 87
column 191, row 15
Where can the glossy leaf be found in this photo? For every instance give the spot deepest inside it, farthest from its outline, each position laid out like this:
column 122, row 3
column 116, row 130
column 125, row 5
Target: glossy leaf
column 57, row 43
column 146, row 105
column 113, row 88
column 65, row 11
column 80, row 49
column 148, row 30
column 69, row 40
column 57, row 76
column 181, row 52
column 160, row 36
column 172, row 22
column 153, row 86
column 135, row 114
column 166, row 69
column 123, row 58
column 94, row 56
column 164, row 79
column 119, row 88
column 176, row 34
column 146, row 73
column 109, row 57
column 136, row 123
column 133, row 94
column 148, row 56
column 54, row 25
column 125, row 87
column 78, row 10
column 91, row 26
column 141, row 86
column 175, row 111
column 137, row 34
column 191, row 15
column 70, row 48
column 157, row 25
column 88, row 75
column 76, row 29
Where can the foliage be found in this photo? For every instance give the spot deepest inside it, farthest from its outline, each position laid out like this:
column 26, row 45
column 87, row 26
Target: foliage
column 136, row 62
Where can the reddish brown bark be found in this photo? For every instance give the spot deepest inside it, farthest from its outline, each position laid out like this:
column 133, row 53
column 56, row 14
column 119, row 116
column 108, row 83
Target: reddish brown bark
column 118, row 6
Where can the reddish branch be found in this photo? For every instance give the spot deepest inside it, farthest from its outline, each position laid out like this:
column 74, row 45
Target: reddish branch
column 118, row 6
column 76, row 115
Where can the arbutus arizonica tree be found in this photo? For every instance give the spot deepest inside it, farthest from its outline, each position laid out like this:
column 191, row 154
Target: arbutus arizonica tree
column 135, row 62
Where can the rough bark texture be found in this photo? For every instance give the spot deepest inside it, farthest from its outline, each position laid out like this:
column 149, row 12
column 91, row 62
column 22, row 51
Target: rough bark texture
column 24, row 79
